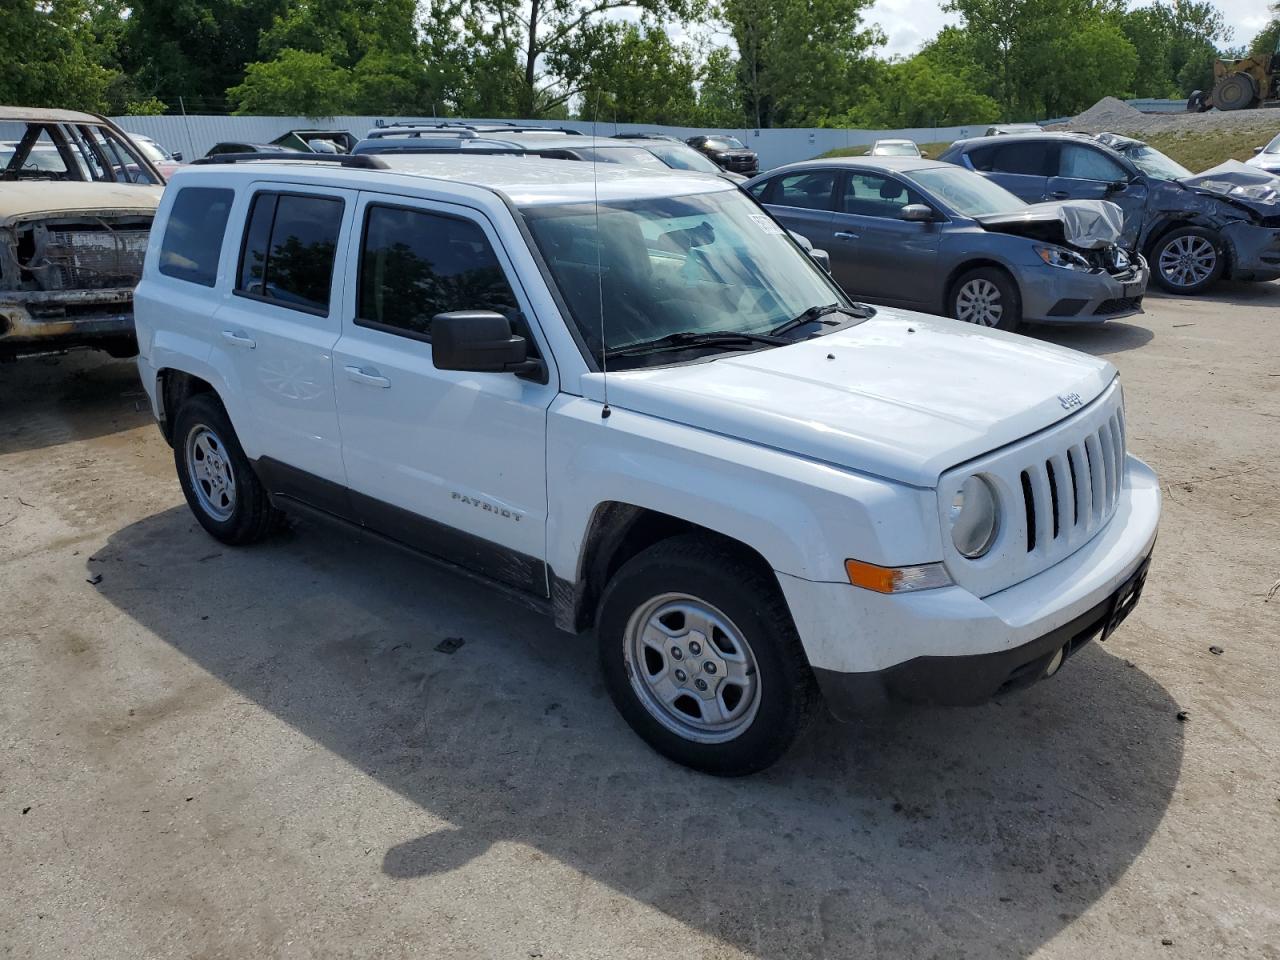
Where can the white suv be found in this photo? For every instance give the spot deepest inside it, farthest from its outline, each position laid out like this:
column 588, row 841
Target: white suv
column 631, row 398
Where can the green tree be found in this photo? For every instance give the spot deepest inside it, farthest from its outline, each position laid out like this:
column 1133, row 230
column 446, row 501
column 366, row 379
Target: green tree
column 629, row 73
column 297, row 82
column 921, row 92
column 799, row 60
column 1268, row 38
column 52, row 57
column 546, row 37
column 720, row 98
column 1176, row 43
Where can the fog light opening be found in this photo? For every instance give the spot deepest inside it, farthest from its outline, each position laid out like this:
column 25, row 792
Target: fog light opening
column 1055, row 662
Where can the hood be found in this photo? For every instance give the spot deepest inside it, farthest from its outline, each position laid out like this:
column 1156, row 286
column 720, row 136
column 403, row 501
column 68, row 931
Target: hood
column 1090, row 224
column 901, row 396
column 1248, row 186
column 34, row 199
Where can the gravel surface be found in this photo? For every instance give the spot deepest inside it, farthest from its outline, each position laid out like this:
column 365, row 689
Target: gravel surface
column 1116, row 116
column 256, row 753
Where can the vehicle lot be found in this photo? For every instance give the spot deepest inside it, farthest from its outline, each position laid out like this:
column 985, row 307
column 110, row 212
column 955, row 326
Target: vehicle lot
column 262, row 753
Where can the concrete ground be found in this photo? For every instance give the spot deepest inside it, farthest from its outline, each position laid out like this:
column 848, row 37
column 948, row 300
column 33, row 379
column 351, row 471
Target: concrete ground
column 260, row 753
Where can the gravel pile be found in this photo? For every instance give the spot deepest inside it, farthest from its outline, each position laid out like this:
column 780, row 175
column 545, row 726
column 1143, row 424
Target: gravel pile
column 1116, row 116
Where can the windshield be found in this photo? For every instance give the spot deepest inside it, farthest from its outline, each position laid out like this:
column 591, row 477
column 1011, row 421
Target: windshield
column 628, row 155
column 700, row 263
column 967, row 193
column 895, row 150
column 1155, row 164
column 150, row 150
column 725, row 143
column 1273, row 146
column 681, row 157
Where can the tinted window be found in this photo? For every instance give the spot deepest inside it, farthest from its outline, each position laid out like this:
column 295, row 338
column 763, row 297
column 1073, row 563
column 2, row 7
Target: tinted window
column 1085, row 163
column 289, row 248
column 193, row 236
column 757, row 189
column 872, row 195
column 809, row 190
column 1024, row 156
column 414, row 265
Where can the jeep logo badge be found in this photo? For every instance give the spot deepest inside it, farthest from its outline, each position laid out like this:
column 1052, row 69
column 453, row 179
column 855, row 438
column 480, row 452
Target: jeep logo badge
column 1070, row 401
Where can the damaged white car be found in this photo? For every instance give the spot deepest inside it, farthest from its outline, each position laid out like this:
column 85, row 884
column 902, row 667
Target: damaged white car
column 76, row 202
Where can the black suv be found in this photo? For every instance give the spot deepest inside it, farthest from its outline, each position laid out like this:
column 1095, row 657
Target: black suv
column 1193, row 229
column 727, row 152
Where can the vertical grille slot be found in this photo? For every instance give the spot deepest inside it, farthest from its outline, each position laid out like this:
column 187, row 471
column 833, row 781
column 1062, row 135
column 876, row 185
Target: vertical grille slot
column 1029, row 501
column 1076, row 493
column 1053, row 497
column 1093, row 456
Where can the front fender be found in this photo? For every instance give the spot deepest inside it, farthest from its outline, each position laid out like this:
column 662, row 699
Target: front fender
column 805, row 518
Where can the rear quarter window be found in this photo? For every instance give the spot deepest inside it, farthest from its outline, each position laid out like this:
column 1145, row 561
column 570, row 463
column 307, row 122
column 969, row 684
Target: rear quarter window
column 192, row 242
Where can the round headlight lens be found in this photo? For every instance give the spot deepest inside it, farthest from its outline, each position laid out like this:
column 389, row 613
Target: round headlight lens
column 975, row 517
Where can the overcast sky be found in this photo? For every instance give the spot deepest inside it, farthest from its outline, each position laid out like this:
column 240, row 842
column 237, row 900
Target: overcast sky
column 909, row 23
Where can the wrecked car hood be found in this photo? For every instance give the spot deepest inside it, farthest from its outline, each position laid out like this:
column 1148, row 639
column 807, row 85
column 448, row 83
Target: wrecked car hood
column 32, row 199
column 901, row 395
column 1250, row 186
column 1091, row 224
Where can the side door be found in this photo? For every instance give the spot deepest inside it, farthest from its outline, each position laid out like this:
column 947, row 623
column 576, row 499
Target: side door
column 275, row 336
column 1087, row 173
column 803, row 201
column 875, row 253
column 449, row 462
column 1022, row 167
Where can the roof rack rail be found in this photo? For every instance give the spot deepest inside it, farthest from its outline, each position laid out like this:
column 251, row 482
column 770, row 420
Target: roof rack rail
column 359, row 160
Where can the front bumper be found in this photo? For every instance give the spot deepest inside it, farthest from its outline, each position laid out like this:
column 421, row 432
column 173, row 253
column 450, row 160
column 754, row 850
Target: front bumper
column 858, row 641
column 970, row 680
column 1253, row 251
column 1055, row 295
column 32, row 321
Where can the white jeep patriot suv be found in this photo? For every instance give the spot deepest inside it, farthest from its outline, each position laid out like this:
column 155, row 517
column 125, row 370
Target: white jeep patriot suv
column 630, row 398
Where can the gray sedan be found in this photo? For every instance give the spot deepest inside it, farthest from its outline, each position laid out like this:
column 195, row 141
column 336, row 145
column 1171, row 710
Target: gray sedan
column 938, row 238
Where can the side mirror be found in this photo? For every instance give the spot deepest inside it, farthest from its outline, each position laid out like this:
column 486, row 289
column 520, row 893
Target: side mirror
column 916, row 213
column 479, row 341
column 821, row 258
column 177, row 157
column 802, row 240
column 1256, row 151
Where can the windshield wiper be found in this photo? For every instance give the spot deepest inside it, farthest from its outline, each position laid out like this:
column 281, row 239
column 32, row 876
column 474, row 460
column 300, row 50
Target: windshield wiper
column 817, row 312
column 684, row 339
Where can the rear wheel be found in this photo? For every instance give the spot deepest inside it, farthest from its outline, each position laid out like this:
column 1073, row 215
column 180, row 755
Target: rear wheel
column 986, row 297
column 701, row 658
column 216, row 477
column 1187, row 260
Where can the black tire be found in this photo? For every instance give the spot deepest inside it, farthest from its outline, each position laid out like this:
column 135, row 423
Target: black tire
column 713, row 573
column 1175, row 255
column 249, row 514
column 972, row 284
column 1196, row 102
column 1235, row 91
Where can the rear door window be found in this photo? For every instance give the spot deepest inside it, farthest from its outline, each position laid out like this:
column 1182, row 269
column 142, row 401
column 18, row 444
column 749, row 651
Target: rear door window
column 1031, row 157
column 289, row 248
column 415, row 264
column 193, row 235
column 811, row 191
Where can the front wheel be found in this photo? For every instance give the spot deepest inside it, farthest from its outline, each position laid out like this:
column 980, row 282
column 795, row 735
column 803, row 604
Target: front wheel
column 701, row 657
column 987, row 297
column 1187, row 260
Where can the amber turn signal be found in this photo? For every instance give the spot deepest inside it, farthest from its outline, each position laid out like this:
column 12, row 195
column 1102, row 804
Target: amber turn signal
column 870, row 576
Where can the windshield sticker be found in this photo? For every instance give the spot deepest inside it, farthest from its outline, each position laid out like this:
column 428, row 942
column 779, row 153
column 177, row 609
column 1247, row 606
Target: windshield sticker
column 766, row 225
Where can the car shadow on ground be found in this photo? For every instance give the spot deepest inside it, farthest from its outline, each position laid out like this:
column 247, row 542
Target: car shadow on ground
column 1115, row 336
column 961, row 833
column 79, row 396
column 1228, row 292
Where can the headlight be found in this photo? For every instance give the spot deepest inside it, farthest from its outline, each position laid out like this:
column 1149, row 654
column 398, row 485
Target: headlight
column 1061, row 257
column 975, row 517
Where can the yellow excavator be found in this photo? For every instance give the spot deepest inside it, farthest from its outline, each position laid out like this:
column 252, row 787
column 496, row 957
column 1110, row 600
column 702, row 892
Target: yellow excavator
column 1241, row 84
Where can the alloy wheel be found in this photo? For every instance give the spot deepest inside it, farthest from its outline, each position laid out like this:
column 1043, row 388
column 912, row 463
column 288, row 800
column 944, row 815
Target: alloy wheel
column 1188, row 260
column 979, row 301
column 210, row 473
